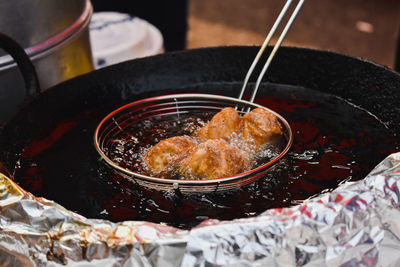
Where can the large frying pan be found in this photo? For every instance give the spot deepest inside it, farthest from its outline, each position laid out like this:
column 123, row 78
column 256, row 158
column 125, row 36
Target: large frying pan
column 368, row 85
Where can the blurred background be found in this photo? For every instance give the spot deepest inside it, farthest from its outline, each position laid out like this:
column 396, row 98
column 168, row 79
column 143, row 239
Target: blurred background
column 361, row 28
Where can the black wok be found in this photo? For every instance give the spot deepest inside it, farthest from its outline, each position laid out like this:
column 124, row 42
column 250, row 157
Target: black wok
column 86, row 99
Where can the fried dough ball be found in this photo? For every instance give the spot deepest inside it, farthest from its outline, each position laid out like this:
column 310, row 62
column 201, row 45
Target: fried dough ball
column 163, row 158
column 221, row 126
column 260, row 126
column 214, row 159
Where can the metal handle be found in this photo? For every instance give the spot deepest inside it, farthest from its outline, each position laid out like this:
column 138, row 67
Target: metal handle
column 274, row 50
column 24, row 64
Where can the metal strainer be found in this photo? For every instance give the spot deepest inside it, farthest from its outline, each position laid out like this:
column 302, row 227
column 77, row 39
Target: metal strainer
column 171, row 107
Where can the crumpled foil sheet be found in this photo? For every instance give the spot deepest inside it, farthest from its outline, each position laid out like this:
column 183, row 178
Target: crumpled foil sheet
column 358, row 224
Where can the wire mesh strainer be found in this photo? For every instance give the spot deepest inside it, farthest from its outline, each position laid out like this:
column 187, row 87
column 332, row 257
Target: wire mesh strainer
column 172, row 107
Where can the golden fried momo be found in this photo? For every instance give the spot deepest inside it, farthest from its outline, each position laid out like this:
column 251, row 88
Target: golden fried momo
column 162, row 158
column 214, row 159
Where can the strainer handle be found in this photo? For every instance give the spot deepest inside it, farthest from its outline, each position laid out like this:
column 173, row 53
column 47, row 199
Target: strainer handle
column 24, row 63
column 274, row 50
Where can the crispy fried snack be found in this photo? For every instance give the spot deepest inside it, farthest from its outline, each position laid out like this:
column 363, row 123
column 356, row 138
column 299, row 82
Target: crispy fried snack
column 221, row 126
column 163, row 158
column 214, row 159
column 260, row 126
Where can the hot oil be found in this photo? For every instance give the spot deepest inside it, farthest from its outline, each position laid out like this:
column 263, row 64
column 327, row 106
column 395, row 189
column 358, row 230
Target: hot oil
column 130, row 145
column 334, row 142
column 128, row 148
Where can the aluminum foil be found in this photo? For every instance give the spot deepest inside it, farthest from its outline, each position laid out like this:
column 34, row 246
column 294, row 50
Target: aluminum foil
column 358, row 224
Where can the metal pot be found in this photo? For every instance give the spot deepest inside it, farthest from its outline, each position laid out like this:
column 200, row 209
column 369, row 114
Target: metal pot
column 54, row 34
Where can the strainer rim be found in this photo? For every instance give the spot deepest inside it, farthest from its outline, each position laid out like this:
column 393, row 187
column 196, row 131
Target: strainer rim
column 176, row 182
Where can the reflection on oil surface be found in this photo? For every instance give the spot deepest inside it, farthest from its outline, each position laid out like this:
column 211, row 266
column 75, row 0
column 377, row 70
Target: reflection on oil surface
column 334, row 141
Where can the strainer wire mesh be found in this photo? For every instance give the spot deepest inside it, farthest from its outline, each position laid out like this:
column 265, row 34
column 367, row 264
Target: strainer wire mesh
column 170, row 106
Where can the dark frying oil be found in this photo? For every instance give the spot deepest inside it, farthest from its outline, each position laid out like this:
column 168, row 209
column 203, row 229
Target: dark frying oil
column 334, row 141
column 128, row 147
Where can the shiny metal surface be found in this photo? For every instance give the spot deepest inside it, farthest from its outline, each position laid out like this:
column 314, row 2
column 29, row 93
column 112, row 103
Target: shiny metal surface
column 274, row 50
column 173, row 105
column 54, row 33
column 30, row 22
column 355, row 225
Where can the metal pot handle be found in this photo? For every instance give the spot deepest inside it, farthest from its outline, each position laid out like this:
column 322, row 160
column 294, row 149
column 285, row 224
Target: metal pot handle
column 24, row 63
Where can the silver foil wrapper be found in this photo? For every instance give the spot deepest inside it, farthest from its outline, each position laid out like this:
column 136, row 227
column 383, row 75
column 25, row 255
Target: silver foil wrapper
column 358, row 224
